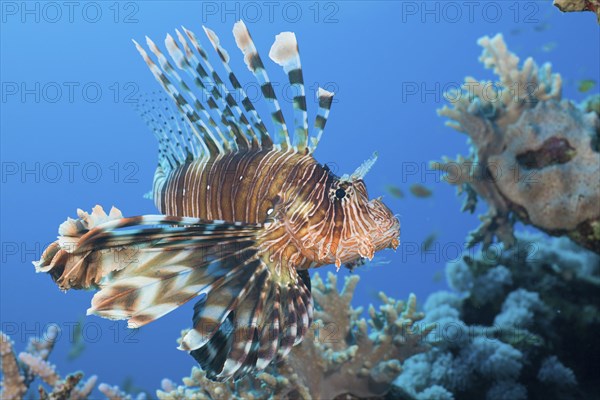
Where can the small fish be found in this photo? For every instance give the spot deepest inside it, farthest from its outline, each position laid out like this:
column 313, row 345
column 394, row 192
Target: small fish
column 544, row 26
column 437, row 276
column 548, row 47
column 420, row 191
column 428, row 242
column 77, row 342
column 395, row 191
column 515, row 31
column 244, row 213
column 364, row 264
column 586, row 85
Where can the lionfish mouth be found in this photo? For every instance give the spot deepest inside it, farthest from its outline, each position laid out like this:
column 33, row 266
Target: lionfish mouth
column 387, row 233
column 394, row 232
column 380, row 238
column 395, row 241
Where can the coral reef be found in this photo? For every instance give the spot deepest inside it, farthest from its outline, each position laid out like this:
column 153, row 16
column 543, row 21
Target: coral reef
column 33, row 363
column 345, row 356
column 115, row 393
column 339, row 359
column 579, row 5
column 520, row 324
column 592, row 103
column 534, row 156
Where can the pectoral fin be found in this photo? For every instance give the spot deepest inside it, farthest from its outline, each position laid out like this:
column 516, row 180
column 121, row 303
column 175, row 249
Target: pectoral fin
column 147, row 266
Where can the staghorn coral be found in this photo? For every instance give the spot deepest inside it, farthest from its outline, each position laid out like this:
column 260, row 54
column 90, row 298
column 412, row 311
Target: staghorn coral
column 528, row 333
column 578, row 5
column 115, row 393
column 13, row 382
column 534, row 157
column 341, row 358
column 32, row 364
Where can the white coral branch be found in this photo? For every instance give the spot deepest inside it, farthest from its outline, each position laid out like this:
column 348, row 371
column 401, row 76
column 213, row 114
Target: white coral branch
column 12, row 385
column 41, row 368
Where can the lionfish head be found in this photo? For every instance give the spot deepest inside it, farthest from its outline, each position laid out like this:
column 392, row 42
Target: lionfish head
column 367, row 225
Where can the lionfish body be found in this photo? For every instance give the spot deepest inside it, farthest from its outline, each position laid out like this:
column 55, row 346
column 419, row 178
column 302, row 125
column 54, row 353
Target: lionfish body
column 243, row 216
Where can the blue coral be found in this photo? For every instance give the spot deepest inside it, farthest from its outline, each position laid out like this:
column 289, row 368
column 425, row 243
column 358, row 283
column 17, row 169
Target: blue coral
column 513, row 314
column 554, row 372
column 492, row 284
column 520, row 309
column 459, row 276
column 506, row 390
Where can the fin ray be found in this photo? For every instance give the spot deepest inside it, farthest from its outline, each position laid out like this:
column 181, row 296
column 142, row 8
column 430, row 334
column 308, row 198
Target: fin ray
column 285, row 53
column 257, row 122
column 325, row 101
column 255, row 65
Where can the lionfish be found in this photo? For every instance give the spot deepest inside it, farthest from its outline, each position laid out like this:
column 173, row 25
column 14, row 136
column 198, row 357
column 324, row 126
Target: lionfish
column 243, row 216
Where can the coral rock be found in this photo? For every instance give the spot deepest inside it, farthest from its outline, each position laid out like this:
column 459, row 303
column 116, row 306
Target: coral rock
column 534, row 156
column 579, row 5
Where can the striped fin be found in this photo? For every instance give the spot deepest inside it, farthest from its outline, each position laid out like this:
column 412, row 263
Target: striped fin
column 144, row 273
column 198, row 126
column 184, row 89
column 176, row 141
column 170, row 273
column 219, row 110
column 209, row 109
column 325, row 100
column 270, row 329
column 285, row 53
column 212, row 312
column 255, row 65
column 243, row 321
column 263, row 318
column 288, row 322
column 234, row 336
column 265, row 139
column 227, row 103
column 147, row 266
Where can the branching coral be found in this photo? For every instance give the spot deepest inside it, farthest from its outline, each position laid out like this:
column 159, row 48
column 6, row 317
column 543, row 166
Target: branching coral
column 341, row 357
column 520, row 325
column 115, row 393
column 18, row 375
column 344, row 356
column 579, row 5
column 349, row 358
column 13, row 382
column 533, row 155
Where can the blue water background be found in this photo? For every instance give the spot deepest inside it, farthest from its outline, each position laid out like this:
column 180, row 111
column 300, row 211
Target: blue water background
column 372, row 54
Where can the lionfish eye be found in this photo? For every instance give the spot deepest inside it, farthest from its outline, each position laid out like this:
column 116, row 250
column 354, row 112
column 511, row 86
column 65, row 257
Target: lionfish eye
column 340, row 193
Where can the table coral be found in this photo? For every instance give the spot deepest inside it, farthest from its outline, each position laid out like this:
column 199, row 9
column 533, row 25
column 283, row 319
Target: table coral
column 341, row 358
column 534, row 157
column 520, row 324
